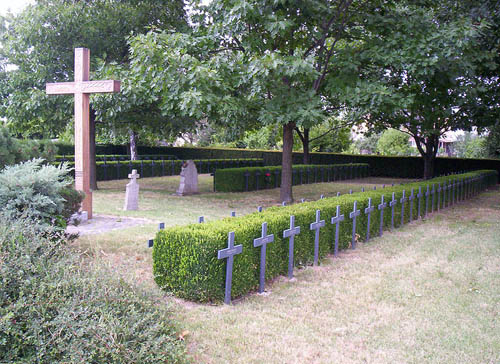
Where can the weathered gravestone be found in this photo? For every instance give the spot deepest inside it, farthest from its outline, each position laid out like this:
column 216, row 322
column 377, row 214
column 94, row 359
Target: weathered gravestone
column 132, row 192
column 189, row 179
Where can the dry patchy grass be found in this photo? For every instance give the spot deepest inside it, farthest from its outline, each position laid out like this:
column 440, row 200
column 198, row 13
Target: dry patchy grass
column 426, row 293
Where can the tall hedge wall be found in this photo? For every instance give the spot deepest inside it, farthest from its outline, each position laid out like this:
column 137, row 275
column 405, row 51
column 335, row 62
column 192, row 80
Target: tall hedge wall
column 185, row 258
column 250, row 179
column 157, row 168
column 383, row 166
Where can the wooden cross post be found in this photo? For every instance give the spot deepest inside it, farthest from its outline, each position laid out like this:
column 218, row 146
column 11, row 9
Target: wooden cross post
column 82, row 88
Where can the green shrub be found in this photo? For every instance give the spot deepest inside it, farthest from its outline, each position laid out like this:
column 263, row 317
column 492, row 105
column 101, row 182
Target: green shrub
column 13, row 150
column 36, row 190
column 185, row 258
column 54, row 310
column 234, row 180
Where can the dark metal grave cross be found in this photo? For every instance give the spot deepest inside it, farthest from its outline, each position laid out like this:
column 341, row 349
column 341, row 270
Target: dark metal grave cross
column 392, row 203
column 368, row 211
column 403, row 200
column 381, row 206
column 317, row 225
column 229, row 253
column 445, row 188
column 439, row 196
column 411, row 198
column 353, row 215
column 290, row 233
column 262, row 242
column 427, row 193
column 336, row 220
column 419, row 196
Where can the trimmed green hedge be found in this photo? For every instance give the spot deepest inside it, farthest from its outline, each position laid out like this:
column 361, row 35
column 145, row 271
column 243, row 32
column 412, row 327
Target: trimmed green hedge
column 250, row 179
column 157, row 168
column 185, row 258
column 116, row 157
column 383, row 166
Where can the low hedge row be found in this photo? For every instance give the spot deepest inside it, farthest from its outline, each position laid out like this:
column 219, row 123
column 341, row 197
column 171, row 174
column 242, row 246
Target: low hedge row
column 251, row 179
column 185, row 258
column 153, row 168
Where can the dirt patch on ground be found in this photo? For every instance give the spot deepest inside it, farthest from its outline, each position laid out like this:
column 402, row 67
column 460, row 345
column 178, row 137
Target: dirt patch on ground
column 104, row 223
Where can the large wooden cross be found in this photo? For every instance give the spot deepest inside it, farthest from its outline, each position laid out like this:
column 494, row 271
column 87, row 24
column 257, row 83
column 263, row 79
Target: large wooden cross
column 82, row 88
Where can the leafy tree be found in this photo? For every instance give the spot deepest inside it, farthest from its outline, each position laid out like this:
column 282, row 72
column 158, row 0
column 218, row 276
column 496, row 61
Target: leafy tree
column 470, row 145
column 492, row 142
column 421, row 68
column 393, row 142
column 39, row 42
column 248, row 64
column 367, row 144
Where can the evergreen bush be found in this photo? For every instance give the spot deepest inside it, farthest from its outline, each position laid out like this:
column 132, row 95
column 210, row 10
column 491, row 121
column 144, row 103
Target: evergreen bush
column 54, row 310
column 185, row 258
column 32, row 189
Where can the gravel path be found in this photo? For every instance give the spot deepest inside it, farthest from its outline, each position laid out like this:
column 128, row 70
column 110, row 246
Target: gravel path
column 104, row 223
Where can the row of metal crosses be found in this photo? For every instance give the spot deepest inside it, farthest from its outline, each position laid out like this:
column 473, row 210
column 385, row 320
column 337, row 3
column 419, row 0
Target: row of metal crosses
column 457, row 190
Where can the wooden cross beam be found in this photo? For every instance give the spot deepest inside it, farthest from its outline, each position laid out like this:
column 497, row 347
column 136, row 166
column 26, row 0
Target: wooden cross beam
column 82, row 88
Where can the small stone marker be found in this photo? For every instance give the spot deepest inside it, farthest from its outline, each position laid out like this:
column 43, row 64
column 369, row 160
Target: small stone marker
column 150, row 243
column 403, row 200
column 233, row 213
column 382, row 205
column 317, row 225
column 374, row 188
column 419, row 197
column 290, row 233
column 161, row 226
column 368, row 211
column 302, row 200
column 132, row 192
column 353, row 215
column 336, row 220
column 362, row 189
column 262, row 242
column 350, row 192
column 283, row 203
column 201, row 220
column 321, row 197
column 338, row 194
column 259, row 209
column 411, row 198
column 229, row 253
column 392, row 203
column 189, row 179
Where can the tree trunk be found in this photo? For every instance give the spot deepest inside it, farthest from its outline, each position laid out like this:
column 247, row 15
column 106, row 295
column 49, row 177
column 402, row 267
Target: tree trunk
column 93, row 165
column 305, row 146
column 133, row 145
column 286, row 164
column 428, row 166
column 429, row 154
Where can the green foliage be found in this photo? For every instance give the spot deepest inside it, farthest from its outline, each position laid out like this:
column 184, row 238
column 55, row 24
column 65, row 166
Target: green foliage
column 54, row 310
column 185, row 258
column 31, row 189
column 368, row 143
column 493, row 141
column 470, row 146
column 233, row 179
column 154, row 168
column 393, row 142
column 41, row 39
column 13, row 150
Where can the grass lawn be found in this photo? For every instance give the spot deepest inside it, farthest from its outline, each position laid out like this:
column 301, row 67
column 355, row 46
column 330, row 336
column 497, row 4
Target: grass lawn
column 426, row 293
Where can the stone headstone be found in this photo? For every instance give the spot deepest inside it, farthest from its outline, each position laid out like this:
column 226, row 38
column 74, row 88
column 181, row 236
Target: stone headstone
column 189, row 179
column 132, row 192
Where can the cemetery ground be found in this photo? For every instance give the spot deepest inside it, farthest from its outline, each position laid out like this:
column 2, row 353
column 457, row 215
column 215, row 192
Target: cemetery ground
column 428, row 292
